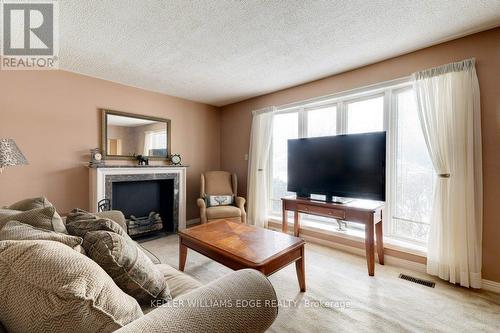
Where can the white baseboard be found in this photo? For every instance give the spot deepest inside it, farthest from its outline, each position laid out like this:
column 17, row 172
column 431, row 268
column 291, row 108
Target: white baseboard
column 487, row 285
column 491, row 286
column 192, row 222
column 390, row 260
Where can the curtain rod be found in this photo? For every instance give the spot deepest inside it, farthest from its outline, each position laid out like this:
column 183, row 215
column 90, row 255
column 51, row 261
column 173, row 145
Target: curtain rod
column 359, row 90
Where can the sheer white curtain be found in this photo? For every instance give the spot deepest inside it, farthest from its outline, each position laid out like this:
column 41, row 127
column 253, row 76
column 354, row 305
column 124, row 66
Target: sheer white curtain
column 450, row 116
column 258, row 171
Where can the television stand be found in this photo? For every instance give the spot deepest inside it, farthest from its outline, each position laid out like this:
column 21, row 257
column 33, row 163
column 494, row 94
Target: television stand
column 361, row 211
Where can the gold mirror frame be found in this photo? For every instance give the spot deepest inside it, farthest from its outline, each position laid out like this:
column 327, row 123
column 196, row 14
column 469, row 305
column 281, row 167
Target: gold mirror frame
column 104, row 134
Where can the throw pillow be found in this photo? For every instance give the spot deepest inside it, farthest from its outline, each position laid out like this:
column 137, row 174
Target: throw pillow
column 44, row 218
column 219, row 200
column 35, row 203
column 79, row 222
column 14, row 230
column 48, row 287
column 4, row 212
column 31, row 203
column 129, row 267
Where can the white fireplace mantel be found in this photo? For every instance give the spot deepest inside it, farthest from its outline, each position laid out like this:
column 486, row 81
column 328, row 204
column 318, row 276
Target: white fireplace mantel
column 98, row 183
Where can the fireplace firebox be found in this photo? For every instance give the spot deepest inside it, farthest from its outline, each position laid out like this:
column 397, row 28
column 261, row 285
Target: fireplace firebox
column 147, row 205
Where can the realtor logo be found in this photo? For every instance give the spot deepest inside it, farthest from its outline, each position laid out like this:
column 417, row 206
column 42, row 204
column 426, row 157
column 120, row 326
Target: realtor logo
column 29, row 35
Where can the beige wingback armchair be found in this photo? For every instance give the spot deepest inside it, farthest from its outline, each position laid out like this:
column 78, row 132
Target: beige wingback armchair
column 220, row 183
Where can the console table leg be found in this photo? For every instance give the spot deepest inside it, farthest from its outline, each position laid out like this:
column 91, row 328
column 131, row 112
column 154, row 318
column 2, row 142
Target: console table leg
column 300, row 268
column 370, row 247
column 296, row 223
column 284, row 225
column 380, row 242
column 182, row 255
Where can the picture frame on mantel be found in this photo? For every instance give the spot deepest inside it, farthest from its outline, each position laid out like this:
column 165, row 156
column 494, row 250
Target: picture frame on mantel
column 125, row 135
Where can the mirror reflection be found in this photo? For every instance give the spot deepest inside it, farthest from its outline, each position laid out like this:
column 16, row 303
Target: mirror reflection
column 131, row 136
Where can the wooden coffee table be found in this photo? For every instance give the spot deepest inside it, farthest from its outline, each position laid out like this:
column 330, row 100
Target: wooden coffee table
column 238, row 246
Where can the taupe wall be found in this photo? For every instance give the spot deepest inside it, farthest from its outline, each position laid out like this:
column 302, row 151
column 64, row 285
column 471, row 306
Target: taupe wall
column 54, row 118
column 485, row 47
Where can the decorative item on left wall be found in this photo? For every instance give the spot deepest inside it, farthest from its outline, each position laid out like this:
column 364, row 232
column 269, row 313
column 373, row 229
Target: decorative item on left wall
column 10, row 154
column 96, row 158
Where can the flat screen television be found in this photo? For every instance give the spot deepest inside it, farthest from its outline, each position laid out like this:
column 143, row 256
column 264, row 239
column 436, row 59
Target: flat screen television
column 345, row 166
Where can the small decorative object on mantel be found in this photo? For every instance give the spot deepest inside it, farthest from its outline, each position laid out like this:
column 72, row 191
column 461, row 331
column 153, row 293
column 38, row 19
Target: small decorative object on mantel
column 176, row 159
column 143, row 160
column 96, row 158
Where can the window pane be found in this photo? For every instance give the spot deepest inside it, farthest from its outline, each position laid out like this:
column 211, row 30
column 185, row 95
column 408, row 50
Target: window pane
column 322, row 122
column 285, row 127
column 365, row 116
column 414, row 174
column 411, row 230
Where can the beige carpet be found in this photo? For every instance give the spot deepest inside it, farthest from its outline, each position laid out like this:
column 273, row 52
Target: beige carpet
column 341, row 297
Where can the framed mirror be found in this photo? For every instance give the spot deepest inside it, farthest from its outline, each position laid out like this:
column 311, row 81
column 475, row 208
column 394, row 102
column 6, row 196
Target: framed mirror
column 126, row 135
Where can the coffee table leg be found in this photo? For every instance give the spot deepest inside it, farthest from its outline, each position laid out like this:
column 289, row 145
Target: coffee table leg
column 300, row 268
column 182, row 255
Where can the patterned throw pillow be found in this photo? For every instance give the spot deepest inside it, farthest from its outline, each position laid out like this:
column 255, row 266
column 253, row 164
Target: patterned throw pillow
column 31, row 203
column 48, row 287
column 14, row 230
column 131, row 269
column 44, row 218
column 219, row 200
column 79, row 222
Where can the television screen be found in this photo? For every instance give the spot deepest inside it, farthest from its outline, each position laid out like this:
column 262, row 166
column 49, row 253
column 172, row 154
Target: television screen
column 349, row 166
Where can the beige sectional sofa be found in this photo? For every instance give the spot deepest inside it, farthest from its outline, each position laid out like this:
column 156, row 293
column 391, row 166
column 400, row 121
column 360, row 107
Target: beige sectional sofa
column 66, row 291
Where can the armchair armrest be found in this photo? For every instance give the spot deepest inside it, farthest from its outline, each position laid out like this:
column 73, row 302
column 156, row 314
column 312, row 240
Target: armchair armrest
column 242, row 301
column 203, row 210
column 240, row 203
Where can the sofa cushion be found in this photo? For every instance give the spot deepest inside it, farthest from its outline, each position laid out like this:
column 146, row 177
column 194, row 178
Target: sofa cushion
column 14, row 230
column 179, row 283
column 221, row 212
column 44, row 218
column 129, row 267
column 47, row 287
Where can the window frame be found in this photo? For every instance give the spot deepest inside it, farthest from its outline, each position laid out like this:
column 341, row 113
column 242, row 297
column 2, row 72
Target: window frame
column 389, row 91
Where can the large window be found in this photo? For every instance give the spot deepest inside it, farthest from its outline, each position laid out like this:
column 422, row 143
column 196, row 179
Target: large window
column 285, row 127
column 413, row 174
column 410, row 176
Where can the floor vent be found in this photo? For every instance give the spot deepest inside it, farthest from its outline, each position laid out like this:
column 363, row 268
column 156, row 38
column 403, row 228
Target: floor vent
column 417, row 280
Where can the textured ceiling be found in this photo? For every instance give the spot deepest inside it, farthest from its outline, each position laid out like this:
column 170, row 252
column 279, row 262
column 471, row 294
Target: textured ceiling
column 221, row 51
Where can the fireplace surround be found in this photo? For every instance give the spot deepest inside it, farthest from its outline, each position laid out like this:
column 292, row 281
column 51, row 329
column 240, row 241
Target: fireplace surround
column 152, row 198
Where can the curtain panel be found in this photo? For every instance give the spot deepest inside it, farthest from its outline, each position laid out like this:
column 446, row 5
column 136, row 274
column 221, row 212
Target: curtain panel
column 450, row 117
column 258, row 171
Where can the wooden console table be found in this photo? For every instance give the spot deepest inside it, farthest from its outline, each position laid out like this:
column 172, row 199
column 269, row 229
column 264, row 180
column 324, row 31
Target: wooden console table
column 362, row 211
